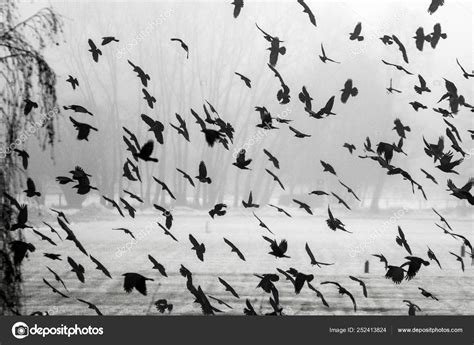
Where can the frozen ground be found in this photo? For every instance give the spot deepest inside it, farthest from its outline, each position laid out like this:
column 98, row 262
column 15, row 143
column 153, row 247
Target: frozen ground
column 453, row 287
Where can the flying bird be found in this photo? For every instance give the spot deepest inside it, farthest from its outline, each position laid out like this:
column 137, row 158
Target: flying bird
column 83, row 129
column 183, row 45
column 202, row 177
column 78, row 269
column 157, row 266
column 342, row 291
column 94, row 50
column 234, row 249
column 238, row 5
column 355, row 35
column 73, row 81
column 434, row 5
column 465, row 74
column 324, row 58
column 307, row 10
column 135, row 280
column 108, row 39
column 275, row 48
column 278, row 250
column 200, row 248
column 361, row 283
column 328, row 167
column 348, row 91
column 146, row 151
column 398, row 67
column 272, row 159
column 150, row 100
column 390, row 89
column 401, row 240
column 401, row 47
column 422, row 88
column 241, row 162
column 245, row 79
column 275, row 178
column 156, row 127
column 312, row 258
column 249, row 203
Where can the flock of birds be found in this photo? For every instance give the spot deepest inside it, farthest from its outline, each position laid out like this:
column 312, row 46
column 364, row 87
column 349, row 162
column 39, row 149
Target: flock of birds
column 217, row 131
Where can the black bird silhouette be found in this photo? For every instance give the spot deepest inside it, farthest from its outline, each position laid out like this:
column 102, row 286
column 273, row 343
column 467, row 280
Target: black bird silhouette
column 324, row 58
column 342, row 291
column 464, row 73
column 349, row 190
column 278, row 250
column 417, row 105
column 135, row 280
column 429, row 176
column 20, row 250
column 167, row 214
column 453, row 129
column 211, row 135
column 458, row 258
column 100, row 267
column 73, row 81
column 53, row 230
column 390, row 89
column 219, row 210
column 386, row 39
column 334, row 223
column 319, row 294
column 114, row 204
column 382, row 258
column 327, row 167
column 164, row 187
column 413, row 308
column 146, row 151
column 131, row 210
column 186, row 176
column 150, row 100
column 155, row 126
column 355, row 35
column 275, row 178
column 133, row 196
column 421, row 38
column 283, row 95
column 76, row 268
column 249, row 309
column 340, row 200
column 427, row 294
column 167, row 232
column 422, row 88
column 436, row 35
column 127, row 172
column 57, row 278
column 29, row 106
column 157, row 266
column 414, row 264
column 83, row 129
column 281, row 210
column 266, row 282
column 275, row 49
column 441, row 218
column 200, row 248
column 400, row 128
column 326, row 110
column 304, row 206
column 202, row 177
column 183, row 45
column 54, row 289
column 350, row 147
column 454, row 142
column 432, row 256
column 181, row 129
column 401, row 240
column 262, row 224
column 228, row 287
column 307, row 10
column 401, row 47
column 91, row 306
column 249, row 203
column 435, row 4
column 318, row 192
column 94, row 50
column 238, row 5
column 361, row 283
column 245, row 79
column 447, row 165
column 108, row 39
column 241, row 162
column 313, row 260
column 348, row 91
column 395, row 273
column 305, row 98
column 299, row 278
column 31, row 189
column 44, row 237
column 234, row 249
column 219, row 301
column 266, row 119
column 298, row 134
column 71, row 236
column 398, row 67
column 78, row 109
column 162, row 305
column 464, row 239
column 24, row 157
column 272, row 159
column 126, row 231
column 144, row 78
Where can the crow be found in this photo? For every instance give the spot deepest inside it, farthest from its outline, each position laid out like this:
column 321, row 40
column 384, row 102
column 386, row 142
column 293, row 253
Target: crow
column 324, row 58
column 417, row 105
column 77, row 268
column 228, row 287
column 187, row 177
column 421, row 38
column 361, row 283
column 382, row 258
column 167, row 232
column 413, row 308
column 164, row 187
column 319, row 294
column 150, row 100
column 400, row 128
column 162, row 305
column 57, row 278
column 234, row 249
column 100, row 267
column 434, row 5
column 422, row 88
column 114, row 204
column 275, row 48
column 348, row 91
column 249, row 309
column 241, row 162
column 29, row 106
column 262, row 224
column 31, row 189
column 275, row 178
column 281, row 210
column 298, row 134
column 342, row 291
column 429, row 176
column 183, row 45
column 462, row 193
column 350, row 147
column 238, row 5
column 181, row 129
column 53, row 230
column 133, row 196
column 200, row 248
column 446, row 165
column 318, row 192
column 283, row 95
column 341, row 201
column 278, row 250
column 71, row 236
column 78, row 109
column 401, row 47
column 83, row 129
column 458, row 258
column 73, row 81
column 54, row 289
column 272, row 159
column 401, row 240
column 307, row 10
column 454, row 142
column 395, row 273
column 327, row 167
column 131, row 210
column 155, row 126
column 91, row 305
column 202, row 177
column 44, row 237
column 427, row 294
column 334, row 223
column 349, row 190
column 157, row 266
column 126, row 231
column 245, row 80
column 432, row 256
column 304, row 206
column 299, row 278
column 436, row 35
column 108, row 39
column 465, row 74
column 249, row 203
column 355, row 35
column 414, row 264
column 390, row 89
column 167, row 214
column 145, row 152
column 265, row 118
column 211, row 135
column 326, row 110
column 219, row 210
column 398, row 67
column 313, row 260
column 94, row 50
column 135, row 280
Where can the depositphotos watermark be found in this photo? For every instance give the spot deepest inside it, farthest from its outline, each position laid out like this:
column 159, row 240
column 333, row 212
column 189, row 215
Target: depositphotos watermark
column 21, row 330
